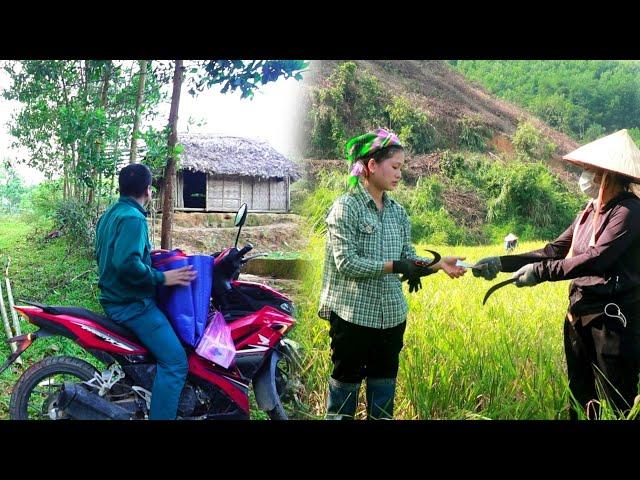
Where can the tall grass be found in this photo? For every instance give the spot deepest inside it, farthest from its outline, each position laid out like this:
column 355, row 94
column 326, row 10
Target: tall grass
column 51, row 272
column 460, row 360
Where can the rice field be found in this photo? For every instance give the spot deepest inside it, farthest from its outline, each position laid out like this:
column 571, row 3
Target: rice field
column 460, row 360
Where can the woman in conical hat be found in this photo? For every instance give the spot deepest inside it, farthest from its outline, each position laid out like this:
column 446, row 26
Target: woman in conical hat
column 368, row 244
column 600, row 253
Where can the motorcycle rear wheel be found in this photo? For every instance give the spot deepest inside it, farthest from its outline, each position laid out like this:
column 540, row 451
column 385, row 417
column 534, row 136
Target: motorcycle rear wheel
column 35, row 394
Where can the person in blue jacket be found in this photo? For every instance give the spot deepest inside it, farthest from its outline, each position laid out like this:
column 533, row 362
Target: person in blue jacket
column 127, row 283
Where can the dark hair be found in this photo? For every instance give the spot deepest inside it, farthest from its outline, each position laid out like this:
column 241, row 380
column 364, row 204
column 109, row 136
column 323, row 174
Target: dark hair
column 382, row 154
column 625, row 182
column 619, row 181
column 134, row 179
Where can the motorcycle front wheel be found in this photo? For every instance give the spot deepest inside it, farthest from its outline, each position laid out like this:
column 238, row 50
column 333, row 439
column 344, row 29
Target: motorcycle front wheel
column 287, row 386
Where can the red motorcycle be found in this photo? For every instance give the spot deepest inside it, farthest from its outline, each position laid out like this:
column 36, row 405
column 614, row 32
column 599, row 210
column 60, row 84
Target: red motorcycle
column 65, row 387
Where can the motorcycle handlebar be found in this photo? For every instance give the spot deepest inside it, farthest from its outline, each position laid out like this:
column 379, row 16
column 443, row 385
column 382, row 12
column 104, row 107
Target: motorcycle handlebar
column 247, row 248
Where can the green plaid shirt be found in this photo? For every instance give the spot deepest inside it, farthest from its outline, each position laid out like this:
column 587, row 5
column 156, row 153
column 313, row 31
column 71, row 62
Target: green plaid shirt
column 360, row 239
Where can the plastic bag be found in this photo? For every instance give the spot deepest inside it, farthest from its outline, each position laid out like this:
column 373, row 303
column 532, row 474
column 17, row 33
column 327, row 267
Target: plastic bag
column 216, row 344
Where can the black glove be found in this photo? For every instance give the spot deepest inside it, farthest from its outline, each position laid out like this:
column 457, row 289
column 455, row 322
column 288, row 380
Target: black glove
column 414, row 283
column 410, row 268
column 489, row 268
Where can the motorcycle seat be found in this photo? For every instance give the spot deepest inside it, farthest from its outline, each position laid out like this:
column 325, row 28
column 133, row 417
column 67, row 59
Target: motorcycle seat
column 106, row 322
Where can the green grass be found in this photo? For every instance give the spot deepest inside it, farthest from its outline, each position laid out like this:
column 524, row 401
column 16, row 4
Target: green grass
column 460, row 360
column 48, row 272
column 284, row 255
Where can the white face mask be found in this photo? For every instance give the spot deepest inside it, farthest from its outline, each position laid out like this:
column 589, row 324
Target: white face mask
column 587, row 185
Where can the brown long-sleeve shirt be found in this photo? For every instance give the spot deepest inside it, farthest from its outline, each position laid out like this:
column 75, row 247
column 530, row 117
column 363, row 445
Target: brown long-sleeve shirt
column 607, row 272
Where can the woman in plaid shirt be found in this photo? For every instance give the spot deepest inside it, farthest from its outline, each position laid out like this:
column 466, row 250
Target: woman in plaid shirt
column 368, row 244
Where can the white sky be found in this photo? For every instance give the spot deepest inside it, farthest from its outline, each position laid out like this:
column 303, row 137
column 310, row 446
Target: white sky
column 273, row 115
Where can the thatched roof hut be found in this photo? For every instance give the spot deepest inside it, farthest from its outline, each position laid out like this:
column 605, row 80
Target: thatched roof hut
column 219, row 173
column 234, row 156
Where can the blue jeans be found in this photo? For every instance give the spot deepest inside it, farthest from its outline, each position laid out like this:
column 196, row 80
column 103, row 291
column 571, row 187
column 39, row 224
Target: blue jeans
column 152, row 327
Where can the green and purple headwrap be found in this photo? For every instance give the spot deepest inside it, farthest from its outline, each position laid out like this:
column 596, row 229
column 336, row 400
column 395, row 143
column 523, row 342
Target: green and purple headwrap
column 367, row 144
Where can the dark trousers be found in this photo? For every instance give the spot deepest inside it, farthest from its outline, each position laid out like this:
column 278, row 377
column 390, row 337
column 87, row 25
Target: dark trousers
column 359, row 352
column 603, row 359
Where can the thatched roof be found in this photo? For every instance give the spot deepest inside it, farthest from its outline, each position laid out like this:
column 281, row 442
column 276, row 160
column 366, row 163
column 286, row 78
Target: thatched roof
column 224, row 155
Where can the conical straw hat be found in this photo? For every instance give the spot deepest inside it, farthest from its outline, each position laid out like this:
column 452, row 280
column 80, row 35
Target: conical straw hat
column 616, row 152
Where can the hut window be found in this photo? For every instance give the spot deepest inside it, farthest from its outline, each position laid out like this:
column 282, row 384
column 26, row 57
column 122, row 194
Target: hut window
column 195, row 188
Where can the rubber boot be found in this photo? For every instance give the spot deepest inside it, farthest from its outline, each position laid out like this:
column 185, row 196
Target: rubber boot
column 342, row 400
column 380, row 395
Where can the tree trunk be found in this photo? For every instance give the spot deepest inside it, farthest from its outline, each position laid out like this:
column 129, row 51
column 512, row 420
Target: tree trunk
column 67, row 186
column 113, row 177
column 98, row 193
column 116, row 157
column 65, row 170
column 136, row 119
column 85, row 106
column 101, row 146
column 74, row 164
column 90, row 190
column 94, row 187
column 170, row 170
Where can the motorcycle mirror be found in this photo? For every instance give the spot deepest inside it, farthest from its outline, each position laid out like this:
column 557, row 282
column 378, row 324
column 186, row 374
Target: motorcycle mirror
column 241, row 217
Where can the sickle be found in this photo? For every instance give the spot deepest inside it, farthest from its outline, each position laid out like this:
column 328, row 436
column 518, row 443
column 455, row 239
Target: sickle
column 436, row 259
column 496, row 287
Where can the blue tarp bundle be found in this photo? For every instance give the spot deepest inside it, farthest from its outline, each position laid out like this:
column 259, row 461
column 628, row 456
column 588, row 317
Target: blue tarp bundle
column 201, row 291
column 185, row 307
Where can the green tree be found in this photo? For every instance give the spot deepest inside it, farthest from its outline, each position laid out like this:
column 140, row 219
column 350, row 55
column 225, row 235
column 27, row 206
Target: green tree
column 411, row 124
column 349, row 104
column 73, row 118
column 473, row 134
column 635, row 134
column 133, row 150
column 12, row 188
column 569, row 95
column 530, row 144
